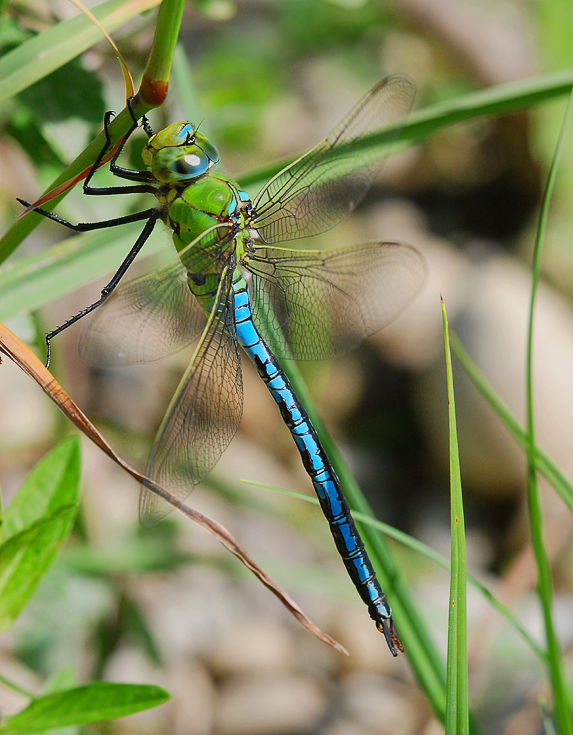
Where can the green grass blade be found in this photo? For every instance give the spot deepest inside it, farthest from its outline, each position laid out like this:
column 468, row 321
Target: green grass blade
column 420, row 125
column 544, row 465
column 186, row 91
column 562, row 703
column 84, row 705
column 24, row 226
column 38, row 57
column 31, row 282
column 152, row 94
column 457, row 696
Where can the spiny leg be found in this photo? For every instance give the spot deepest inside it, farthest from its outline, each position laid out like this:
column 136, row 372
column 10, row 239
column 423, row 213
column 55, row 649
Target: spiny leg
column 89, row 226
column 107, row 290
column 151, row 215
column 123, row 173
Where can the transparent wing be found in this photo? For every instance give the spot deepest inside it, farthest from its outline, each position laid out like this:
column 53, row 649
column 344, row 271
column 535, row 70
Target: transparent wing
column 312, row 305
column 151, row 316
column 203, row 415
column 321, row 188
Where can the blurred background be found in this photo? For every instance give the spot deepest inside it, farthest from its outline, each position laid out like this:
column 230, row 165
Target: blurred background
column 168, row 605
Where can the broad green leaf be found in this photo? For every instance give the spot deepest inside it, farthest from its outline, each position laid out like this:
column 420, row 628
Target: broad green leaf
column 52, row 484
column 26, row 556
column 60, row 680
column 95, row 702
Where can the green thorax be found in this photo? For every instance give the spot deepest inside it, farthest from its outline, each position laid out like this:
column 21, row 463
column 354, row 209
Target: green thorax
column 192, row 200
column 191, row 209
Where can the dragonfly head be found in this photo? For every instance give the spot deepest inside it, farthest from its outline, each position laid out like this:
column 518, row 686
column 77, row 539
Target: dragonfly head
column 179, row 153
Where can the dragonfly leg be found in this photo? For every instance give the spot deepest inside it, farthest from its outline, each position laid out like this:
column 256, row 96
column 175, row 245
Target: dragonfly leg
column 122, row 173
column 107, row 290
column 89, row 226
column 145, row 124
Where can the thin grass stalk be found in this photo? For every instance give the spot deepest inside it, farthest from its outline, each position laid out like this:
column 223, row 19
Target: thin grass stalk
column 562, row 711
column 457, row 694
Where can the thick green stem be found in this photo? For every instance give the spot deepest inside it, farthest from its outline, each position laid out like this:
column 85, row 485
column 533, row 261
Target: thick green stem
column 155, row 80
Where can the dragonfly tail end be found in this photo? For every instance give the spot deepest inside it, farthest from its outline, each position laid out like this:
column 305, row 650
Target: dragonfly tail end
column 387, row 627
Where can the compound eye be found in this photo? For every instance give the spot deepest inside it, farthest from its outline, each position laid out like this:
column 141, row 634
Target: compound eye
column 209, row 149
column 191, row 164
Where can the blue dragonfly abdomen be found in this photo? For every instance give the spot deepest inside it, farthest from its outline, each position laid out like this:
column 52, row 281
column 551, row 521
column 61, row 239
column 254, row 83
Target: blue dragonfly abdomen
column 315, row 460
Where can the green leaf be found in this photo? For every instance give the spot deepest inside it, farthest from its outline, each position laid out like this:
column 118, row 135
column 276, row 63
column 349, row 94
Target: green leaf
column 423, row 655
column 547, row 468
column 422, row 124
column 84, row 705
column 52, row 484
column 36, row 58
column 35, row 524
column 559, row 684
column 25, row 557
column 70, row 91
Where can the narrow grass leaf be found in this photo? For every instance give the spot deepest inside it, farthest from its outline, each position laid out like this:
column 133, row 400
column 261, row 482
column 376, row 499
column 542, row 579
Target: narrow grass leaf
column 542, row 462
column 41, row 54
column 186, row 90
column 562, row 701
column 423, row 655
column 457, row 697
column 84, row 705
column 31, row 282
column 421, row 124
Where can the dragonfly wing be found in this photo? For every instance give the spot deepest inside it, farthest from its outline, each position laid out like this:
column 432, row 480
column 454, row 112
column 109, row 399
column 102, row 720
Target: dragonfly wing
column 144, row 320
column 203, row 415
column 154, row 315
column 322, row 187
column 312, row 305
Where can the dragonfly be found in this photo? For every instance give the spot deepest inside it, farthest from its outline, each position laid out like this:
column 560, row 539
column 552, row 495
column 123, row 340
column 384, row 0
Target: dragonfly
column 230, row 286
